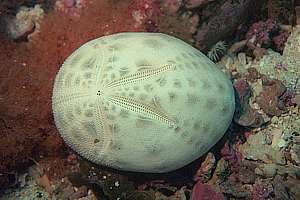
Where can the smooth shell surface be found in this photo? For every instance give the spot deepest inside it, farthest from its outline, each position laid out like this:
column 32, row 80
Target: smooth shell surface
column 144, row 102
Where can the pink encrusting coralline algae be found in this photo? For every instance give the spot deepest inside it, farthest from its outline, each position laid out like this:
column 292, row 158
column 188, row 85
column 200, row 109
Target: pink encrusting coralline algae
column 144, row 12
column 71, row 7
column 202, row 191
column 259, row 33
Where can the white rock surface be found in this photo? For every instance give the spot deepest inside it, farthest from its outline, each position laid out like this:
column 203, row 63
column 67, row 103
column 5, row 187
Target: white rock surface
column 26, row 23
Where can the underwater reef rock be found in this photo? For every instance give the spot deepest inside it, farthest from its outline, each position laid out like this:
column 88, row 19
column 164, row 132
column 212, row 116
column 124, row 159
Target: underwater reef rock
column 204, row 191
column 266, row 34
column 276, row 146
column 281, row 11
column 204, row 173
column 283, row 67
column 280, row 40
column 259, row 33
column 245, row 114
column 25, row 24
column 172, row 6
column 228, row 17
column 257, row 148
column 269, row 98
column 196, row 3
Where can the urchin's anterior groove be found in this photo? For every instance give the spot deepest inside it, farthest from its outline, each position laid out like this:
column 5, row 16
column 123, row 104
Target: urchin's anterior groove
column 141, row 108
column 102, row 122
column 140, row 76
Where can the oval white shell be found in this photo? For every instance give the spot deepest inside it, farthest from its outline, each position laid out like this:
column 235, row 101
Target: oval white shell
column 144, row 102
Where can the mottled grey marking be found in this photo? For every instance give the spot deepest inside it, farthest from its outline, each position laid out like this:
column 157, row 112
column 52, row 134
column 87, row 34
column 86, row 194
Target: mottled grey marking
column 108, row 68
column 90, row 127
column 114, row 128
column 121, row 36
column 177, row 58
column 180, row 66
column 172, row 97
column 211, row 103
column 113, row 107
column 184, row 55
column 124, row 113
column 153, row 43
column 112, row 76
column 143, row 97
column 197, row 126
column 153, row 149
column 88, row 75
column 103, row 42
column 192, row 83
column 185, row 134
column 70, row 115
column 177, row 129
column 115, row 145
column 116, row 47
column 78, row 110
column 143, row 63
column 89, row 64
column 77, row 81
column 225, row 109
column 77, row 134
column 113, row 59
column 161, row 81
column 206, row 85
column 110, row 117
column 142, row 122
column 68, row 79
column 177, row 83
column 192, row 55
column 188, row 65
column 195, row 64
column 136, row 88
column 148, row 88
column 123, row 71
column 91, row 104
column 205, row 127
column 190, row 140
column 198, row 144
column 88, row 113
column 220, row 87
column 192, row 98
column 74, row 60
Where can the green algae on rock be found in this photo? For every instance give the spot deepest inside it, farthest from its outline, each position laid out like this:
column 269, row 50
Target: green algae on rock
column 144, row 102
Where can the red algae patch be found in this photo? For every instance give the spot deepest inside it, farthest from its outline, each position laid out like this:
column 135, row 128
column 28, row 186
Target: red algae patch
column 27, row 72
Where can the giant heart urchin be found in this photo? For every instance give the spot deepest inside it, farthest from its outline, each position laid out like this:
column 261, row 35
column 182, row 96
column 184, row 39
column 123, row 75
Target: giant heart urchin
column 141, row 102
